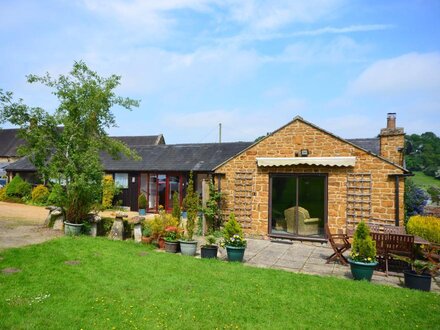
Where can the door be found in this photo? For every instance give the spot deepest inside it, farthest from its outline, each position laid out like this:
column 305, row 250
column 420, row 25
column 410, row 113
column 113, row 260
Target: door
column 133, row 190
column 298, row 205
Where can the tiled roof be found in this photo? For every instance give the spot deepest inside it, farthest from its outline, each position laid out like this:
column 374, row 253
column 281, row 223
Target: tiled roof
column 372, row 145
column 141, row 140
column 175, row 157
column 9, row 142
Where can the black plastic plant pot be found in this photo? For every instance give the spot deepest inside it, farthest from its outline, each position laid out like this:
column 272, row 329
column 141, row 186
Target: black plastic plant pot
column 418, row 282
column 209, row 251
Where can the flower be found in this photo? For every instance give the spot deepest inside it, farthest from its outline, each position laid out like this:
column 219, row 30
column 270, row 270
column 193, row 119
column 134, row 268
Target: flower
column 172, row 233
column 235, row 241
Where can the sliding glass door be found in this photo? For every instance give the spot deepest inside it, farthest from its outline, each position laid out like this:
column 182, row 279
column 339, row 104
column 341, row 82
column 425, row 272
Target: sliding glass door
column 298, row 205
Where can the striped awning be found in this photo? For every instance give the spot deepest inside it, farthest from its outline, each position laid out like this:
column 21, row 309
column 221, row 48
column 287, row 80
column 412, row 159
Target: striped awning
column 317, row 161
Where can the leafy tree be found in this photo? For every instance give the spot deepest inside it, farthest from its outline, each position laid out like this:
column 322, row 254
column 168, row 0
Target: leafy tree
column 415, row 199
column 65, row 145
column 435, row 194
column 423, row 153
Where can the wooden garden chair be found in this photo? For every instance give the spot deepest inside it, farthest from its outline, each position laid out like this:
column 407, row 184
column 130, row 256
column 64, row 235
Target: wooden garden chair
column 339, row 244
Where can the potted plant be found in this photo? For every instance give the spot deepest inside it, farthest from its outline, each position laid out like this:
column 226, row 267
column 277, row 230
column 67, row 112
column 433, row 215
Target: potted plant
column 363, row 254
column 158, row 225
column 209, row 250
column 420, row 273
column 171, row 236
column 188, row 246
column 147, row 236
column 233, row 240
column 142, row 204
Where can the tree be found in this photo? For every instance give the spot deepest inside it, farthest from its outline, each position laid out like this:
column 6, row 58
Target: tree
column 423, row 153
column 65, row 146
column 435, row 194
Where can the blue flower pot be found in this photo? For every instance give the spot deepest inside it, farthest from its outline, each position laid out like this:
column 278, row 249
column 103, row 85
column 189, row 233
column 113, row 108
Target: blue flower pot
column 142, row 212
column 235, row 253
column 362, row 270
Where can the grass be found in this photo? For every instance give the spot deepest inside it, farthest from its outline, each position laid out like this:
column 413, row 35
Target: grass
column 116, row 285
column 424, row 181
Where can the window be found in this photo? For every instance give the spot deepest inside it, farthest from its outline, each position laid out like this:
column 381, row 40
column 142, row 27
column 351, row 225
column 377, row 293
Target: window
column 121, row 180
column 298, row 204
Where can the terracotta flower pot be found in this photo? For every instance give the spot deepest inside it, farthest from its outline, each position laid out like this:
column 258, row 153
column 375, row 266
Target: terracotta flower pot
column 147, row 239
column 161, row 243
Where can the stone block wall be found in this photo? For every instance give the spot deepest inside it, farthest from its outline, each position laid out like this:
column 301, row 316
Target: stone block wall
column 289, row 140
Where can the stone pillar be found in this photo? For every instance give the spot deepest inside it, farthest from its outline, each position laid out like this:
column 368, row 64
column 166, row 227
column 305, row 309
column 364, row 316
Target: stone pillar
column 137, row 230
column 117, row 231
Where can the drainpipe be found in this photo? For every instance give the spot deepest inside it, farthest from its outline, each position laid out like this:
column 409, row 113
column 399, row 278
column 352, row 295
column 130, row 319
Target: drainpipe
column 396, row 197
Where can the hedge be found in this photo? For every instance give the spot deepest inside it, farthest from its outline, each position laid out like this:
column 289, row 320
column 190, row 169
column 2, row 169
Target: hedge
column 427, row 227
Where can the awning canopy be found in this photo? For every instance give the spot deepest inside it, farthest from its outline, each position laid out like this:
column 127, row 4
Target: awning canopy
column 318, row 161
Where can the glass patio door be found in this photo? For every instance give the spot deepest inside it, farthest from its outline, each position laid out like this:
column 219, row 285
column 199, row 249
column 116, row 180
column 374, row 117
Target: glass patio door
column 298, row 205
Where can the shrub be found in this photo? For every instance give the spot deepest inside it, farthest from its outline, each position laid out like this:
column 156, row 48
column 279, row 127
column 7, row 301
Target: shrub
column 192, row 206
column 363, row 248
column 177, row 211
column 108, row 191
column 232, row 227
column 415, row 199
column 160, row 222
column 40, row 194
column 142, row 202
column 426, row 227
column 18, row 187
column 3, row 194
column 57, row 196
column 104, row 226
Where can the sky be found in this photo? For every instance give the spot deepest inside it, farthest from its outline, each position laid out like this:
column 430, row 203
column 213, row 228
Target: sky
column 248, row 64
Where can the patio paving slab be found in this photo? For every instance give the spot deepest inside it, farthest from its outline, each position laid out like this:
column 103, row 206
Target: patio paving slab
column 308, row 258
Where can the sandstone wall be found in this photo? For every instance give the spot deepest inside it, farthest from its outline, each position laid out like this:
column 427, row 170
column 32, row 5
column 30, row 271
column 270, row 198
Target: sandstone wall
column 289, row 140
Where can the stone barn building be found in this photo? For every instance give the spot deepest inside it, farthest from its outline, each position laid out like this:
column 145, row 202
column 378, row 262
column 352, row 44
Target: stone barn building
column 294, row 181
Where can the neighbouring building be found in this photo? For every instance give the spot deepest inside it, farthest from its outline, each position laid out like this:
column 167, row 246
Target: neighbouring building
column 9, row 143
column 288, row 184
column 301, row 177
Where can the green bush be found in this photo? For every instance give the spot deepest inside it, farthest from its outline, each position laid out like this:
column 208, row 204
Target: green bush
column 18, row 188
column 108, row 191
column 3, row 194
column 363, row 248
column 232, row 227
column 104, row 226
column 56, row 196
column 40, row 194
column 425, row 227
column 142, row 201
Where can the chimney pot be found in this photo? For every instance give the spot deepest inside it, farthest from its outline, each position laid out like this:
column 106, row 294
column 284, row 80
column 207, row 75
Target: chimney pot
column 391, row 120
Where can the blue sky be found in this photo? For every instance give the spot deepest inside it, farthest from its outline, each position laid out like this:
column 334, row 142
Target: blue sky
column 250, row 65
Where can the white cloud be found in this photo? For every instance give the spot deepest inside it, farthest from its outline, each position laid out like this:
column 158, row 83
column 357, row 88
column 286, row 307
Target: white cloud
column 340, row 49
column 271, row 15
column 412, row 72
column 251, row 15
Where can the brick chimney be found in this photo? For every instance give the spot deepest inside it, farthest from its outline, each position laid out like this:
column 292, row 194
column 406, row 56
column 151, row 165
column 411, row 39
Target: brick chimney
column 392, row 140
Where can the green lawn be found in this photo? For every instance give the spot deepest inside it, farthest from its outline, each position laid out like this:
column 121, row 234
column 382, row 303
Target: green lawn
column 424, row 181
column 116, row 285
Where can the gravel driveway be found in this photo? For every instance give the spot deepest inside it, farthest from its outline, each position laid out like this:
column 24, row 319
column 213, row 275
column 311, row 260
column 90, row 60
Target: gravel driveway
column 22, row 225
